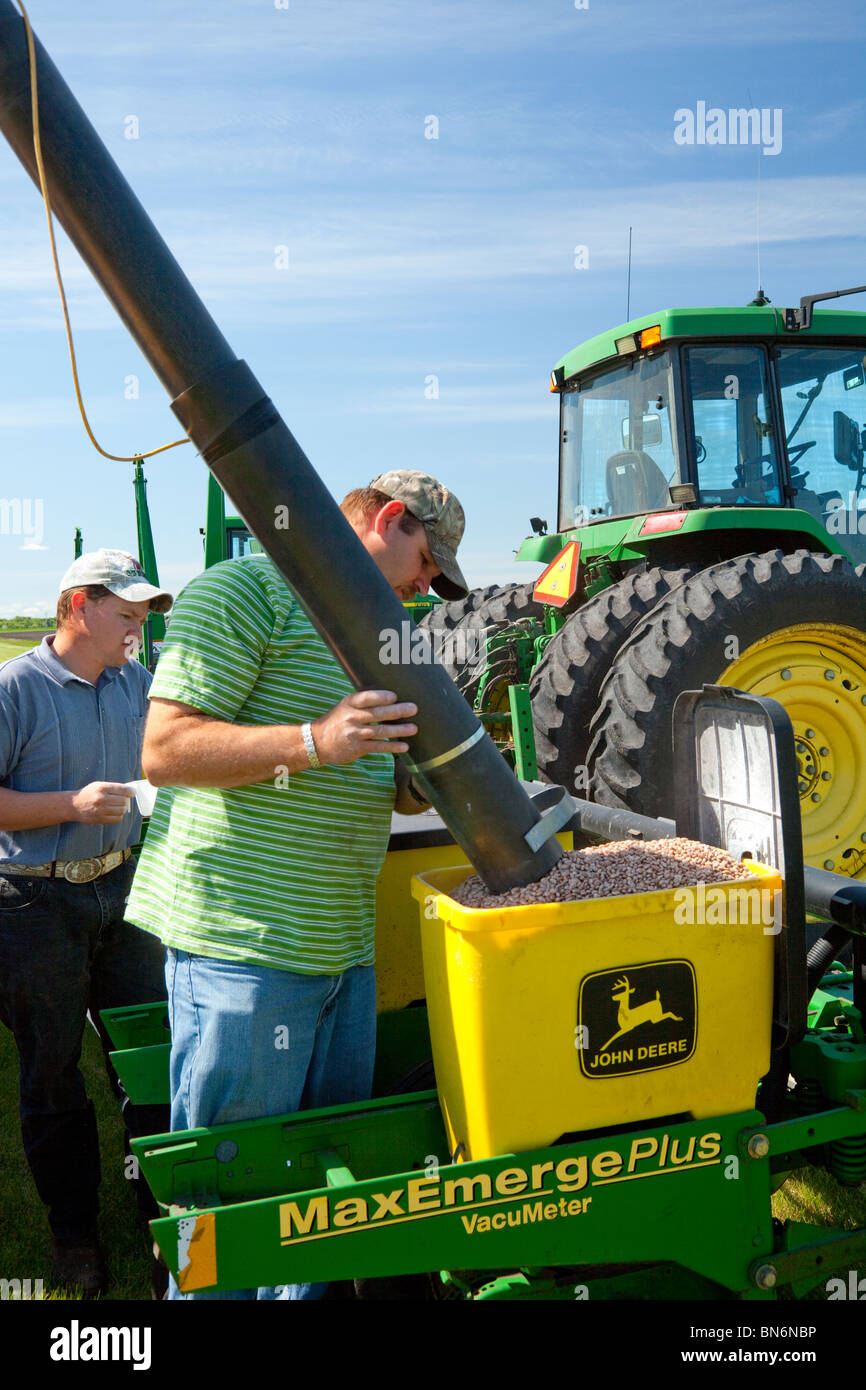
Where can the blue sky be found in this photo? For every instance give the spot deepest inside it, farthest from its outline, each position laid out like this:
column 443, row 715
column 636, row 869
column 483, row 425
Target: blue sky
column 262, row 126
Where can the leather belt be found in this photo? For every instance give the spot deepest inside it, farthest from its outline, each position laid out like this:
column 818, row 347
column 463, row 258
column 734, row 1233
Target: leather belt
column 73, row 870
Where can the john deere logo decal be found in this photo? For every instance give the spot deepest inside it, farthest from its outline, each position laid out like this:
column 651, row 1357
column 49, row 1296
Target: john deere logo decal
column 637, row 1018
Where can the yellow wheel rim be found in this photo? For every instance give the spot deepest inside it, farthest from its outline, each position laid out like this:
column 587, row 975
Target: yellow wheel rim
column 819, row 675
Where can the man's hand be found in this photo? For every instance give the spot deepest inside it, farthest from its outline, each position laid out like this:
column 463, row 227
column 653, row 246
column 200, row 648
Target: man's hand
column 183, row 747
column 369, row 721
column 101, row 803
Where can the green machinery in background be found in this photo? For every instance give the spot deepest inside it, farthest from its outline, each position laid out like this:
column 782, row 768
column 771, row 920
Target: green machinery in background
column 711, row 527
column 711, row 474
column 224, row 538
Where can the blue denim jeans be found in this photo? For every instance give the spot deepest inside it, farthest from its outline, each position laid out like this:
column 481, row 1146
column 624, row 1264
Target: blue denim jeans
column 65, row 949
column 248, row 1041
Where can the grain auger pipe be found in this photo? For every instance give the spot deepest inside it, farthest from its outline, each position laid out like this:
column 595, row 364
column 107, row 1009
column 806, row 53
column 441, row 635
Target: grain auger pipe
column 251, row 452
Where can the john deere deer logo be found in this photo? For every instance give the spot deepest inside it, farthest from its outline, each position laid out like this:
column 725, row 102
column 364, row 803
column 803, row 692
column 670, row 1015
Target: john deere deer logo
column 669, row 994
column 629, row 1018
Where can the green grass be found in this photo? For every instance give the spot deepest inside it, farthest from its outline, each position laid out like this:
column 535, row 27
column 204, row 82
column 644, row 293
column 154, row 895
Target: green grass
column 813, row 1195
column 9, row 647
column 25, row 1242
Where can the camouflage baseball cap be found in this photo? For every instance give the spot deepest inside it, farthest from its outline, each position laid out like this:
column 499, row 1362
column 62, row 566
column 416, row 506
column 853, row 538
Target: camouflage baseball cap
column 443, row 518
column 118, row 572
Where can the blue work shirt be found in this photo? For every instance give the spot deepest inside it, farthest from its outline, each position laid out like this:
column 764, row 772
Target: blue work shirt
column 57, row 733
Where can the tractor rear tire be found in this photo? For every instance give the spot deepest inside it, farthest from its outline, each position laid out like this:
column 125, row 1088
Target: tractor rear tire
column 565, row 685
column 445, row 616
column 462, row 655
column 788, row 626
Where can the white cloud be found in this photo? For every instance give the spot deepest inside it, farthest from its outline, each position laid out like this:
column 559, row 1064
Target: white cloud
column 464, row 405
column 407, row 246
column 42, row 608
column 824, row 126
column 402, row 253
column 36, row 412
column 326, row 32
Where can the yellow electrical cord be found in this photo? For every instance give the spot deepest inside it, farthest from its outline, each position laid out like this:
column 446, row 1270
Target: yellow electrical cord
column 37, row 147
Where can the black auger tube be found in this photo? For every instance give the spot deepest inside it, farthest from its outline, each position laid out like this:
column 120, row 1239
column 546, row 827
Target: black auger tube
column 842, row 901
column 836, row 898
column 598, row 824
column 254, row 457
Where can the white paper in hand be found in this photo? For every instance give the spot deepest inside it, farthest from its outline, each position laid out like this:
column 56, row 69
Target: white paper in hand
column 145, row 795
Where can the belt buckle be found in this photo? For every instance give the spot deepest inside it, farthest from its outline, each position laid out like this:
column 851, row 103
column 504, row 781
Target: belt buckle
column 82, row 870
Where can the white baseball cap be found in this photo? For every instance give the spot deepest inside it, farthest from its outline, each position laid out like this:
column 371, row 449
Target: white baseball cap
column 118, row 572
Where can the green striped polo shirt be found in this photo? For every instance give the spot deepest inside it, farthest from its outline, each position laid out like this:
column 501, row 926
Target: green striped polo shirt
column 282, row 873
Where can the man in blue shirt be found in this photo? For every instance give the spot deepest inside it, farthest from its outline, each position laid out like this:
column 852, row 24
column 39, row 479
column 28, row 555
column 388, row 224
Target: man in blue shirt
column 72, row 717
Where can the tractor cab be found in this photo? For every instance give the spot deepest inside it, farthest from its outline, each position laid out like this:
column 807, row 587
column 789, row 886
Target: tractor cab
column 712, row 519
column 693, row 410
column 225, row 537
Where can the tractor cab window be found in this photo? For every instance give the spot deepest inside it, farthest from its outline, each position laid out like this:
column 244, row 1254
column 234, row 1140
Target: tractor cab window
column 616, row 454
column 823, row 393
column 735, row 449
column 240, row 542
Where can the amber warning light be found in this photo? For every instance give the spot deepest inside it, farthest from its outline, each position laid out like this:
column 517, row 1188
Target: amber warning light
column 650, row 336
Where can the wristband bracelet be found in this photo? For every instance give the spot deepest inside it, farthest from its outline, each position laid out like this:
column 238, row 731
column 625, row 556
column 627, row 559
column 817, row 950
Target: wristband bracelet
column 310, row 745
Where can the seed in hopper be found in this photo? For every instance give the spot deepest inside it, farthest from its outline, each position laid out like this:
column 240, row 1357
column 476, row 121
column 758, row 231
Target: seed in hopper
column 606, row 871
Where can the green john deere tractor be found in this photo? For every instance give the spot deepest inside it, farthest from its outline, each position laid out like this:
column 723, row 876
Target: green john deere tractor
column 712, row 472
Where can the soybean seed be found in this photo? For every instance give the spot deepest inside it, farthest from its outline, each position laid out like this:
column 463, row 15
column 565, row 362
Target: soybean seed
column 606, row 871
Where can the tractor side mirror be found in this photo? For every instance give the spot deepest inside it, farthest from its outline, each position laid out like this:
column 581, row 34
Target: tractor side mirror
column 847, row 448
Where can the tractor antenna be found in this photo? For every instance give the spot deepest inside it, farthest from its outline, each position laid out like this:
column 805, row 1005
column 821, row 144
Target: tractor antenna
column 628, row 281
column 760, row 298
column 758, row 221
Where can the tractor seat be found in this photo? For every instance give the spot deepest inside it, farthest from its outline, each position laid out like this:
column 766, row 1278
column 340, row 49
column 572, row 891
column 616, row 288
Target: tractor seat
column 635, row 483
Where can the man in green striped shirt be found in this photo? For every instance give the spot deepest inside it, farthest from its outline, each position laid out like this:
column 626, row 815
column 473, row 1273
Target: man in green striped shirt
column 260, row 863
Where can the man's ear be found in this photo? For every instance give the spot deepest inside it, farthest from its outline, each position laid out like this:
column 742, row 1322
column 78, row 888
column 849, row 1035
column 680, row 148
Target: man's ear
column 386, row 516
column 77, row 604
